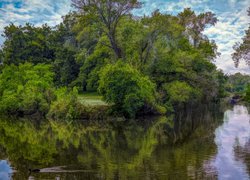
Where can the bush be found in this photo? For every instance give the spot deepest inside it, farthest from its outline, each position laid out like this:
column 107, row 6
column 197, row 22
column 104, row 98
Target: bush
column 68, row 107
column 65, row 106
column 26, row 89
column 180, row 92
column 127, row 89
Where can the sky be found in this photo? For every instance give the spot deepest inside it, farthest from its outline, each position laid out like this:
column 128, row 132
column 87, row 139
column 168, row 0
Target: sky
column 232, row 16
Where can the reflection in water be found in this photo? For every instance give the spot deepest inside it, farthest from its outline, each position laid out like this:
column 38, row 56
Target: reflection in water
column 150, row 149
column 5, row 170
column 232, row 135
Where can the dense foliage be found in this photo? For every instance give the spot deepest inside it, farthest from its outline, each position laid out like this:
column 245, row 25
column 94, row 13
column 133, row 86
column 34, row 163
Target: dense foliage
column 238, row 86
column 65, row 105
column 137, row 63
column 237, row 83
column 26, row 89
column 127, row 89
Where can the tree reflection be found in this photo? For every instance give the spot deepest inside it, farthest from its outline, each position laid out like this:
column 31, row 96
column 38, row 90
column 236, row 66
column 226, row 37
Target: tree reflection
column 119, row 149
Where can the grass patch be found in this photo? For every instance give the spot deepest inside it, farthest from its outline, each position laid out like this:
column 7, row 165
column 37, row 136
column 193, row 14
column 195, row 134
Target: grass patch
column 91, row 99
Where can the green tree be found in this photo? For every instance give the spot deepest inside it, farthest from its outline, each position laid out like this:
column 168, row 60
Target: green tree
column 65, row 66
column 106, row 15
column 242, row 51
column 66, row 47
column 56, row 46
column 195, row 25
column 91, row 64
column 237, row 83
column 179, row 91
column 165, row 57
column 27, row 44
column 126, row 88
column 26, row 89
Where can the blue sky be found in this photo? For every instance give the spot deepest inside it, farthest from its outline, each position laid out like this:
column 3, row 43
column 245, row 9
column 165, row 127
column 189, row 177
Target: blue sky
column 232, row 15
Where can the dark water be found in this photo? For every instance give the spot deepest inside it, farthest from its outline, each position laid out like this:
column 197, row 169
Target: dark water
column 192, row 146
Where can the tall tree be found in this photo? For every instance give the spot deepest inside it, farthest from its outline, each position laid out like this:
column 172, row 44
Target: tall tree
column 106, row 14
column 242, row 51
column 27, row 43
column 195, row 25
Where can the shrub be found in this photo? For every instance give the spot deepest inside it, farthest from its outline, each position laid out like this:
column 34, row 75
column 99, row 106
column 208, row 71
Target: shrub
column 126, row 88
column 179, row 92
column 68, row 107
column 65, row 106
column 26, row 89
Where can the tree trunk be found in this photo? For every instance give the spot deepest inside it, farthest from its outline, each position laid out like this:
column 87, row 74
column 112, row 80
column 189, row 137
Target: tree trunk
column 116, row 49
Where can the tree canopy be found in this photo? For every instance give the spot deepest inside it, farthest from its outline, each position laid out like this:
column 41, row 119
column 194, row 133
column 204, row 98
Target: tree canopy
column 165, row 61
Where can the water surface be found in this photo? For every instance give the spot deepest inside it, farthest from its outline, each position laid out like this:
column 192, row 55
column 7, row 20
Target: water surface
column 232, row 160
column 202, row 145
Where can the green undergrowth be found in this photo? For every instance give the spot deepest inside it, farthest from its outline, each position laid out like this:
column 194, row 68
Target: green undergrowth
column 70, row 106
column 91, row 99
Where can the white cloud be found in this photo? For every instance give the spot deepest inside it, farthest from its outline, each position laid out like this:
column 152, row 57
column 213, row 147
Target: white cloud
column 229, row 30
column 226, row 63
column 36, row 12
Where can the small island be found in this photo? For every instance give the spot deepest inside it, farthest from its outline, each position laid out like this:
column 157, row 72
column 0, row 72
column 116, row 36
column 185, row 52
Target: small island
column 111, row 93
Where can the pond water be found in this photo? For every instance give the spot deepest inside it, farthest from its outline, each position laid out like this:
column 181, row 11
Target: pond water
column 203, row 145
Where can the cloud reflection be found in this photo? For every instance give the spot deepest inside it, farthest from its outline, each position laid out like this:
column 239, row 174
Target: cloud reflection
column 5, row 170
column 234, row 132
